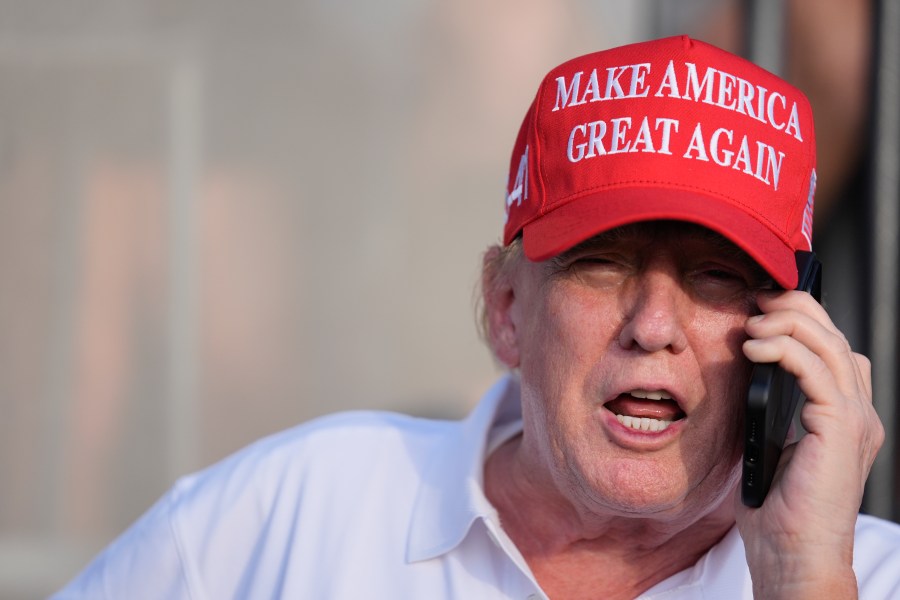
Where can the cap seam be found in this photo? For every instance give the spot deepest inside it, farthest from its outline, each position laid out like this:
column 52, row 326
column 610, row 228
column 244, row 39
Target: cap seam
column 538, row 146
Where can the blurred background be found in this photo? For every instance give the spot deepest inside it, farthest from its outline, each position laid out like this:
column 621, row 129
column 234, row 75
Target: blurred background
column 219, row 219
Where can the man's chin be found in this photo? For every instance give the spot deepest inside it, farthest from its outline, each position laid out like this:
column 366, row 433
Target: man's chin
column 662, row 493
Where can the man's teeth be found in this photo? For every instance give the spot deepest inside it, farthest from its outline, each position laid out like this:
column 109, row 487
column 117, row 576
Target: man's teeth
column 650, row 394
column 643, row 423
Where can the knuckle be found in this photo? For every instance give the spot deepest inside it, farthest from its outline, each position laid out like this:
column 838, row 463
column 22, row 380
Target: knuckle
column 877, row 429
column 837, row 343
column 865, row 365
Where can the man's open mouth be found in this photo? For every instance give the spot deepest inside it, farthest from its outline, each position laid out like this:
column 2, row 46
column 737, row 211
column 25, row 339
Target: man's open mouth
column 645, row 410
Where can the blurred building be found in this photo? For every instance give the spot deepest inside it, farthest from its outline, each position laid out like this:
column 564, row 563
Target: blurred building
column 219, row 219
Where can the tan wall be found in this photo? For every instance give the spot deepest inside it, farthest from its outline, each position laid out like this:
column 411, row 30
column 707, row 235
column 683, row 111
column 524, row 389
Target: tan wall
column 219, row 219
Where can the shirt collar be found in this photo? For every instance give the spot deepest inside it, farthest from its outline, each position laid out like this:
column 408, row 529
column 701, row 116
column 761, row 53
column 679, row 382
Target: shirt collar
column 451, row 495
column 720, row 573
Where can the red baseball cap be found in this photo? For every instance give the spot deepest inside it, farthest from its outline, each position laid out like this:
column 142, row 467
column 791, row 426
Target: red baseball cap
column 667, row 129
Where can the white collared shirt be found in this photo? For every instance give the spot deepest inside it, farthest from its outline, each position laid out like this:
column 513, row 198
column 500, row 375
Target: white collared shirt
column 381, row 506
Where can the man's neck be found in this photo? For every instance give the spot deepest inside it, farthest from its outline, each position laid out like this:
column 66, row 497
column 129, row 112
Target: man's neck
column 578, row 555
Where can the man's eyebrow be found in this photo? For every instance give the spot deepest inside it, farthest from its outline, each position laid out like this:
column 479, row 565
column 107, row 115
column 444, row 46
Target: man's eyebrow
column 606, row 240
column 729, row 250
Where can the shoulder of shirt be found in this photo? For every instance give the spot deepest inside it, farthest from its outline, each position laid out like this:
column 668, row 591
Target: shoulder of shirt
column 876, row 557
column 335, row 447
column 350, row 429
column 870, row 528
column 875, row 532
column 313, row 477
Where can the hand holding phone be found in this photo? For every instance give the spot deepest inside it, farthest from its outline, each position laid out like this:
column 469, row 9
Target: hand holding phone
column 772, row 400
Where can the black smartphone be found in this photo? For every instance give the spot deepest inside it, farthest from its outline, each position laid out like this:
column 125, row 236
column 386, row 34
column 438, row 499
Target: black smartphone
column 772, row 401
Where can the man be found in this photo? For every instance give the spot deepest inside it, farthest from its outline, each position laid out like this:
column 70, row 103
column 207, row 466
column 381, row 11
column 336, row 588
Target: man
column 658, row 193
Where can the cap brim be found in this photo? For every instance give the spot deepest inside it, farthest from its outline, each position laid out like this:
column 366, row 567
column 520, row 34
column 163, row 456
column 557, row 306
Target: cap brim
column 578, row 220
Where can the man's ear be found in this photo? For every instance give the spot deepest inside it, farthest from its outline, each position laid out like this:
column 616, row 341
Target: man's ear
column 499, row 299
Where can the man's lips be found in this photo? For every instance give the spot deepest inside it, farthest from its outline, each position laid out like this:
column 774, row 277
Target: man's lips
column 645, row 411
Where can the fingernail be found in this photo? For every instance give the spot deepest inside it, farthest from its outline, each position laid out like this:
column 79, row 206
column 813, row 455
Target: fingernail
column 755, row 319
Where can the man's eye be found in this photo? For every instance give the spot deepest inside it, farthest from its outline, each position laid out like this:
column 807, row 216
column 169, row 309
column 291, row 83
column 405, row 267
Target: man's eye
column 722, row 275
column 719, row 284
column 596, row 260
column 600, row 261
column 599, row 271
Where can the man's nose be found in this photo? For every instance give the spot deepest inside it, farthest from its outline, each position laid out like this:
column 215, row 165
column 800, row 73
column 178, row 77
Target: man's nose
column 655, row 313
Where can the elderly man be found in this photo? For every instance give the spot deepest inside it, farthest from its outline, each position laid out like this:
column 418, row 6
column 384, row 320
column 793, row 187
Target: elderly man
column 658, row 194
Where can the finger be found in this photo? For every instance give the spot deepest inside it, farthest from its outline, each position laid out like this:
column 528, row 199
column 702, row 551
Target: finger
column 798, row 315
column 818, row 381
column 865, row 369
column 803, row 303
column 828, row 409
column 828, row 344
column 769, row 301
